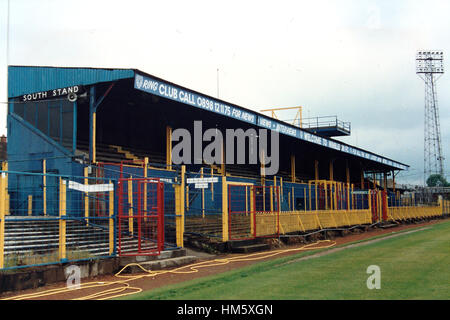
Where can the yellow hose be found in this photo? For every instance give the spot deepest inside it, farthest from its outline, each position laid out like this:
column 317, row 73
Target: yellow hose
column 192, row 268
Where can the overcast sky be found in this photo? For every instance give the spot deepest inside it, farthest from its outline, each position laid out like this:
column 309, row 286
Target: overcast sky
column 350, row 58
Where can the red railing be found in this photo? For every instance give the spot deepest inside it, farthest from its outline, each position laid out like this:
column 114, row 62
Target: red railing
column 140, row 216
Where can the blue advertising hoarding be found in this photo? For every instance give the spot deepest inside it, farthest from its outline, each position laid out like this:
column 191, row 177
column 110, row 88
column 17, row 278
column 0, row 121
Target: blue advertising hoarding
column 166, row 90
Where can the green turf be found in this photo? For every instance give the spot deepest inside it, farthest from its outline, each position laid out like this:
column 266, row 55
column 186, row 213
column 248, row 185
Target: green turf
column 413, row 266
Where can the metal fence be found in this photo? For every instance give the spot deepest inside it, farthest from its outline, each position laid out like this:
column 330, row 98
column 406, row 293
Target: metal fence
column 412, row 205
column 203, row 204
column 171, row 180
column 281, row 208
column 317, row 205
column 325, row 122
column 241, row 211
column 322, row 204
column 47, row 218
column 140, row 218
column 446, row 206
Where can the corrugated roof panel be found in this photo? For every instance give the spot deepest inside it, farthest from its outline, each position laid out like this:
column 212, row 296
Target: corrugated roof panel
column 29, row 79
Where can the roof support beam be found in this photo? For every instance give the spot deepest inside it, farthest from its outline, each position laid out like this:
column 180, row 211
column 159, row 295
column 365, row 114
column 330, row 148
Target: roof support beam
column 93, row 106
column 92, row 123
column 331, row 170
column 316, row 169
column 292, row 167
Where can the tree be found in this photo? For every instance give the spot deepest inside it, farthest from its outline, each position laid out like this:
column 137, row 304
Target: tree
column 436, row 180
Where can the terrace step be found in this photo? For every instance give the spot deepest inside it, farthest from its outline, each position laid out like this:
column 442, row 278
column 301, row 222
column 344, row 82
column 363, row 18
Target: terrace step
column 161, row 264
column 41, row 236
column 247, row 246
column 251, row 248
column 387, row 226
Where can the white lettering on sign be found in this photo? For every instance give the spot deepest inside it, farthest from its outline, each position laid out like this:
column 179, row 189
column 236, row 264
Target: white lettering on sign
column 221, row 108
column 360, row 192
column 286, row 130
column 187, row 97
column 166, row 90
column 265, row 123
column 334, row 145
column 163, row 89
column 150, row 85
column 50, row 94
column 91, row 187
column 202, row 180
column 205, row 103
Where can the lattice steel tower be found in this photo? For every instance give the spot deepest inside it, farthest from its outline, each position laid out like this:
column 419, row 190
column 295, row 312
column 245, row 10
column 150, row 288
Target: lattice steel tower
column 430, row 67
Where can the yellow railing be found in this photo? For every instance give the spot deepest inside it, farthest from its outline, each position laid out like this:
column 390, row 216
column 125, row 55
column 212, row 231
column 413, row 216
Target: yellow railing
column 360, row 216
column 270, row 223
column 292, row 221
column 266, row 223
column 413, row 212
column 446, row 206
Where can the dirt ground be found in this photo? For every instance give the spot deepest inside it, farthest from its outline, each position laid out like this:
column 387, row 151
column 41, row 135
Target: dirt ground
column 144, row 281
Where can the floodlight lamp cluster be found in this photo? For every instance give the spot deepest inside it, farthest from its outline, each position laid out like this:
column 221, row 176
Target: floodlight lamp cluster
column 430, row 62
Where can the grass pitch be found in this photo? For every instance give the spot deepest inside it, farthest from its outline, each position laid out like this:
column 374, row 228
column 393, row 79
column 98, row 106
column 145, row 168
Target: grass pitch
column 413, row 266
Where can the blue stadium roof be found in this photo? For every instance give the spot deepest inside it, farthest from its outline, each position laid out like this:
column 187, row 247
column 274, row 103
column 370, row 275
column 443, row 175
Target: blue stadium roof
column 28, row 79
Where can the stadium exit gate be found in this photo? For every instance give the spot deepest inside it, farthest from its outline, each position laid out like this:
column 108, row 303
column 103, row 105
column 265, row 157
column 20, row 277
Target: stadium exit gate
column 140, row 216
